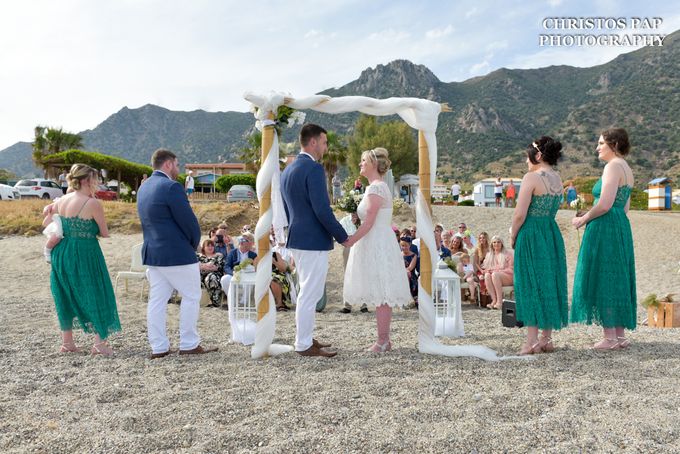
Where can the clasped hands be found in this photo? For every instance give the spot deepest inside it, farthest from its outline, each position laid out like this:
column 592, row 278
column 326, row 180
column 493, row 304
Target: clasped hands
column 349, row 242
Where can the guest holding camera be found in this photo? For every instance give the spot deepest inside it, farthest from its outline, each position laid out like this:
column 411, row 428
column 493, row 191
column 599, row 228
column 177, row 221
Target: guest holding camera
column 211, row 266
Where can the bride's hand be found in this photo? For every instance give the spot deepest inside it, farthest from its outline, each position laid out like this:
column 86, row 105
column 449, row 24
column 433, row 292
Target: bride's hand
column 349, row 242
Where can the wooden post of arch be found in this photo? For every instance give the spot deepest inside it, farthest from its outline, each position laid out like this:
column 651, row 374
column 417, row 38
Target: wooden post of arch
column 263, row 246
column 424, row 178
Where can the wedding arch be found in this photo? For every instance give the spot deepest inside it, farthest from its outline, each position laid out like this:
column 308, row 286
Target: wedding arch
column 420, row 114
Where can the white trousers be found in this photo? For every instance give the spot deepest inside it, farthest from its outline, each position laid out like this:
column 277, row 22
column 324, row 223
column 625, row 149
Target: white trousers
column 186, row 279
column 225, row 281
column 312, row 267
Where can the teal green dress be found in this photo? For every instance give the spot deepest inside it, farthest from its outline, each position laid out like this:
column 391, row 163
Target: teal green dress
column 541, row 267
column 80, row 281
column 604, row 283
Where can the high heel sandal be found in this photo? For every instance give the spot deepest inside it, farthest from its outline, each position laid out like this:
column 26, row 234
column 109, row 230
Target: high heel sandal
column 101, row 348
column 69, row 348
column 380, row 348
column 531, row 350
column 623, row 342
column 614, row 344
column 547, row 346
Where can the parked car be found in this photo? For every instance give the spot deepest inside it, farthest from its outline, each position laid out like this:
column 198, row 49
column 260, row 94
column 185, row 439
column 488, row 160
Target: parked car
column 240, row 192
column 105, row 193
column 9, row 193
column 38, row 187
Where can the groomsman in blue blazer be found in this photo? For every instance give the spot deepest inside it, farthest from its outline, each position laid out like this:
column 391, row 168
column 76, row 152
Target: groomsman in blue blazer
column 312, row 227
column 171, row 237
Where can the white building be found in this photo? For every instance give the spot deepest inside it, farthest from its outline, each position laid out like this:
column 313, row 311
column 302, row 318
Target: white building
column 484, row 191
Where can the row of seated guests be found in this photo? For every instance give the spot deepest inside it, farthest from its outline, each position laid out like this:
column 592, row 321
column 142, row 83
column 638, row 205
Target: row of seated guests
column 482, row 262
column 219, row 256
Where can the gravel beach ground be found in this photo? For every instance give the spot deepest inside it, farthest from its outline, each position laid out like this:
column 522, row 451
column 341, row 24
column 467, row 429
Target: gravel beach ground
column 573, row 400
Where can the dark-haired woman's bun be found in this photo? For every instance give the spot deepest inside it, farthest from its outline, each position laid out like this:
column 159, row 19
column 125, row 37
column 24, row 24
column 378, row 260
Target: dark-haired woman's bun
column 552, row 151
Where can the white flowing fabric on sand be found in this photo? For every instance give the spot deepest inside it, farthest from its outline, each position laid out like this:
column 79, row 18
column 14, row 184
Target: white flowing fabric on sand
column 422, row 115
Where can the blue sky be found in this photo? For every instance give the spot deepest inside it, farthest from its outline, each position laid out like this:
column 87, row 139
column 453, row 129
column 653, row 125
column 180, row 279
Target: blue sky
column 72, row 63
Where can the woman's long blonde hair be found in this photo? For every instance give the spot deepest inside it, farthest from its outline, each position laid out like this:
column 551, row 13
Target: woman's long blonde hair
column 479, row 249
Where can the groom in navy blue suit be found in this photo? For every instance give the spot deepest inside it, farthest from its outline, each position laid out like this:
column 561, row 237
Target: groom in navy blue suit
column 171, row 236
column 312, row 227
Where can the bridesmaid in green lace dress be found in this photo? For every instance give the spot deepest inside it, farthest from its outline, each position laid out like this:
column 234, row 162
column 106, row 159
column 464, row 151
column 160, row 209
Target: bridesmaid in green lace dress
column 604, row 282
column 80, row 281
column 540, row 262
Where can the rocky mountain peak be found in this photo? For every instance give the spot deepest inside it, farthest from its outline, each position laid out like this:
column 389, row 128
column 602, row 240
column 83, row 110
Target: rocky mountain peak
column 399, row 78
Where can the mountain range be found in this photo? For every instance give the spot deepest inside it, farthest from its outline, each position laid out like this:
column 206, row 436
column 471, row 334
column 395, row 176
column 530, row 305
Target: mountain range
column 493, row 118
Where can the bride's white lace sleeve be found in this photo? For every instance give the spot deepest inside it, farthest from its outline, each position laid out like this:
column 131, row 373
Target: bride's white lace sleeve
column 380, row 189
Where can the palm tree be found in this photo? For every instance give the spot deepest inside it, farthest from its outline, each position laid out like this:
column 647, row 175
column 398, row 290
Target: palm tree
column 335, row 156
column 251, row 155
column 51, row 140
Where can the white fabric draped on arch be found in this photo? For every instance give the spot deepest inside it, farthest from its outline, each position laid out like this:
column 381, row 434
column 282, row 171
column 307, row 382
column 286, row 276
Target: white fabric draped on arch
column 420, row 114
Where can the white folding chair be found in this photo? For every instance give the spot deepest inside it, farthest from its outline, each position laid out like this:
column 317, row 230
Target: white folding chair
column 137, row 270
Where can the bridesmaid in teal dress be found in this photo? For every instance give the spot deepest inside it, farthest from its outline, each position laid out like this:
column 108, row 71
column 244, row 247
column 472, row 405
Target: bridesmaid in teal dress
column 604, row 283
column 540, row 260
column 80, row 282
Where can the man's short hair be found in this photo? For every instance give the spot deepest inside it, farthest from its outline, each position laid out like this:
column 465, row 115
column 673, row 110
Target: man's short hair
column 310, row 131
column 160, row 156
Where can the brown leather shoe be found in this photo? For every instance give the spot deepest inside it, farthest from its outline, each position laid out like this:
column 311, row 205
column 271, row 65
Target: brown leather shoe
column 316, row 351
column 161, row 355
column 198, row 351
column 318, row 344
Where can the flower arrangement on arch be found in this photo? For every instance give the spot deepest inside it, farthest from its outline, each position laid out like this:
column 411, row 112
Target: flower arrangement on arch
column 285, row 117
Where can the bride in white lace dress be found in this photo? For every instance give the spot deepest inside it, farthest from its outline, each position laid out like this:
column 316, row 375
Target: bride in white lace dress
column 375, row 273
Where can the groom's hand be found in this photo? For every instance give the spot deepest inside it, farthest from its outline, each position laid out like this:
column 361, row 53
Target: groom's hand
column 348, row 242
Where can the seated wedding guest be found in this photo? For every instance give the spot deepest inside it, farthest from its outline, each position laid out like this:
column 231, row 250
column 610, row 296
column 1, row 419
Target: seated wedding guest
column 223, row 243
column 457, row 245
column 407, row 233
column 290, row 286
column 280, row 285
column 447, row 235
column 415, row 240
column 498, row 271
column 236, row 257
column 468, row 238
column 211, row 266
column 466, row 271
column 442, row 251
column 478, row 255
column 412, row 263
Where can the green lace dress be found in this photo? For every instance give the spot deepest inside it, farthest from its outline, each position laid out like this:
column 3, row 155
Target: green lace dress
column 541, row 267
column 604, row 283
column 80, row 281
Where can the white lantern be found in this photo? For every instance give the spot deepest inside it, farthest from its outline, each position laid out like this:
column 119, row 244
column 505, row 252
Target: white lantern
column 242, row 308
column 446, row 298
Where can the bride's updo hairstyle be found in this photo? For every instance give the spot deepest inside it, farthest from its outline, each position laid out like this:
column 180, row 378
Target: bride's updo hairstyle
column 551, row 150
column 80, row 173
column 379, row 158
